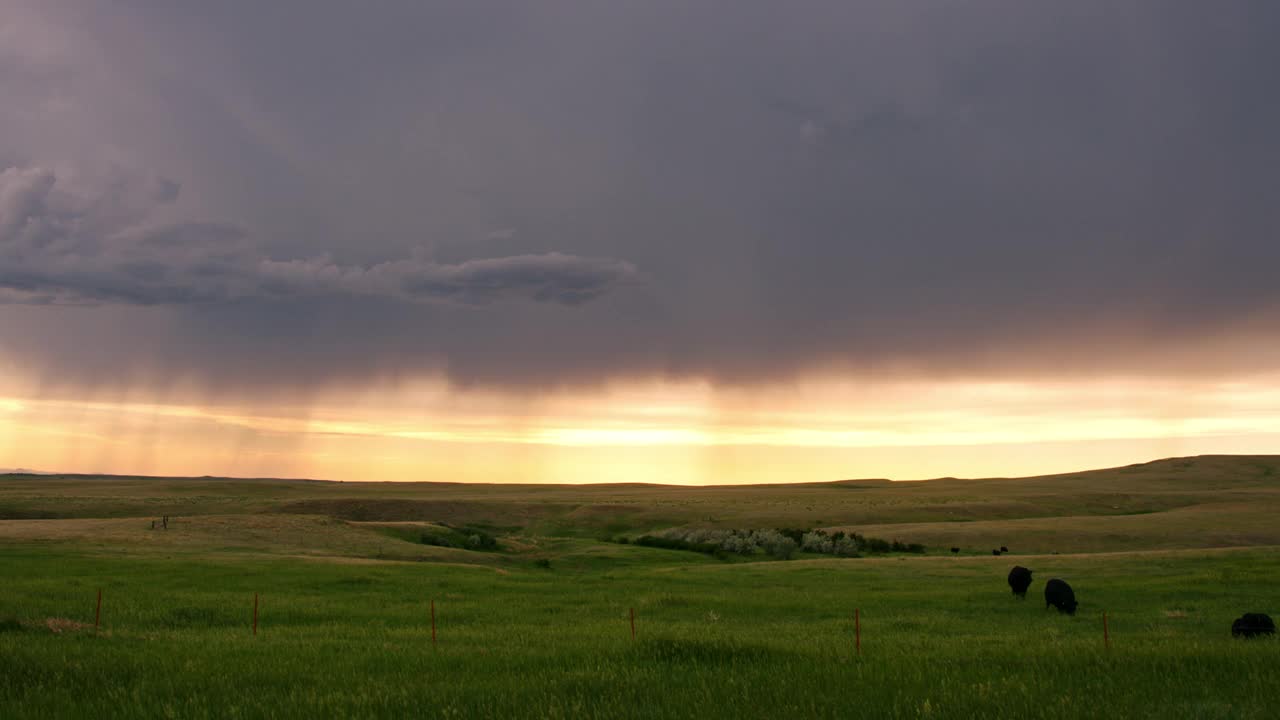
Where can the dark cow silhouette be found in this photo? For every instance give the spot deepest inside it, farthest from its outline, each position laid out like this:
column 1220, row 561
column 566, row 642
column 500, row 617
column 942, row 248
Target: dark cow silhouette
column 955, row 550
column 995, row 552
column 1252, row 625
column 1060, row 595
column 1019, row 581
column 1004, row 549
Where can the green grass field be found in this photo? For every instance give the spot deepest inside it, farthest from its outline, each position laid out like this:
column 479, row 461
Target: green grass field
column 1171, row 551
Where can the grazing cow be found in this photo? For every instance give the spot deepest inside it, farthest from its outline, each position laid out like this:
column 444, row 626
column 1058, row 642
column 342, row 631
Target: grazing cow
column 1019, row 581
column 955, row 551
column 1059, row 594
column 1252, row 625
column 995, row 552
column 1004, row 549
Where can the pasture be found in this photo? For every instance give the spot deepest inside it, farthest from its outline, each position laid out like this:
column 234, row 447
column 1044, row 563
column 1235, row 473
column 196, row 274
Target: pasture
column 540, row 627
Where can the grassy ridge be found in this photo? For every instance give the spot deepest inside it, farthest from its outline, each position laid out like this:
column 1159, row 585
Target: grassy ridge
column 1215, row 501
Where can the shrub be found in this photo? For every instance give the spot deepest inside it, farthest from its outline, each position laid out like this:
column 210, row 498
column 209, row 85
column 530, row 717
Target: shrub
column 818, row 542
column 845, row 546
column 778, row 543
column 741, row 544
column 481, row 541
column 783, row 549
column 436, row 540
column 667, row 543
column 466, row 538
column 775, row 543
column 876, row 545
column 794, row 534
column 907, row 547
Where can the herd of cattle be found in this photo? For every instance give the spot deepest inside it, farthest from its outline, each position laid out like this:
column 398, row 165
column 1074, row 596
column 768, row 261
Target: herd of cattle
column 994, row 551
column 1058, row 594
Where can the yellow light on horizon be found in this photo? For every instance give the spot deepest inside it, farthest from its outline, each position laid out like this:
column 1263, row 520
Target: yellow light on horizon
column 688, row 433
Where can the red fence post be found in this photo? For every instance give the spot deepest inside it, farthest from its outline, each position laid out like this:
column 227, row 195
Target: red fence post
column 1106, row 631
column 633, row 624
column 255, row 614
column 97, row 613
column 433, row 623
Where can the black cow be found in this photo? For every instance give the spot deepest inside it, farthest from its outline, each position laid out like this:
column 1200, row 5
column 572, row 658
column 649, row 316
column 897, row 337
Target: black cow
column 995, row 552
column 1019, row 581
column 1004, row 549
column 1252, row 625
column 1059, row 594
column 955, row 551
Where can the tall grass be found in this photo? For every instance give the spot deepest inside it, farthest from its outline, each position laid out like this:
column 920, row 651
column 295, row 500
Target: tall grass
column 942, row 637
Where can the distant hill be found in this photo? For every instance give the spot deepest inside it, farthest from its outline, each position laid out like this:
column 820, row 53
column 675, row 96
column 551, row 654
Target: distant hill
column 1176, row 503
column 21, row 471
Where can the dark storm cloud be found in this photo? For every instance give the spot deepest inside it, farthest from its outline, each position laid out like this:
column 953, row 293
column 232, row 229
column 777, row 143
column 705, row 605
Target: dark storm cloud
column 984, row 187
column 60, row 247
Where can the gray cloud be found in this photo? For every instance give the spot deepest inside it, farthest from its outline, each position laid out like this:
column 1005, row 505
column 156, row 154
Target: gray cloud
column 987, row 188
column 59, row 246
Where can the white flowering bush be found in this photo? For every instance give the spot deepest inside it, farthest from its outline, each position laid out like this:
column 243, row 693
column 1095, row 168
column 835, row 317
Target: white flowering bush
column 782, row 544
column 817, row 542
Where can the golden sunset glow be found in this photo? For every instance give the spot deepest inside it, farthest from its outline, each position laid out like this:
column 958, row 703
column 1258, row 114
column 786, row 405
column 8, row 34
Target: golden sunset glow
column 820, row 429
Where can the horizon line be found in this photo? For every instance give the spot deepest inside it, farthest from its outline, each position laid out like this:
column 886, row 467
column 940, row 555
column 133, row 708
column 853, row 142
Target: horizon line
column 23, row 472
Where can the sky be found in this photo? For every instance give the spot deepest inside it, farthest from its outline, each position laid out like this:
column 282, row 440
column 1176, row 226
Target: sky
column 685, row 242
